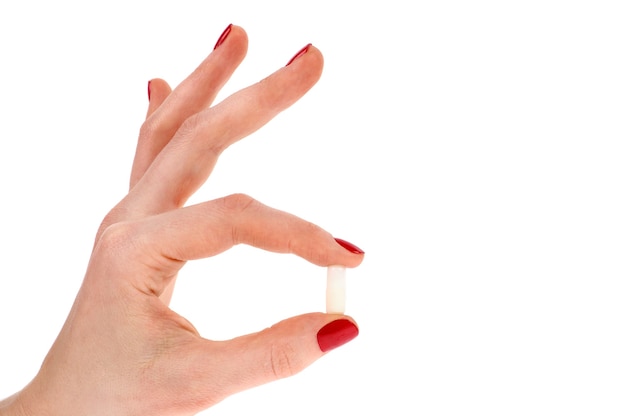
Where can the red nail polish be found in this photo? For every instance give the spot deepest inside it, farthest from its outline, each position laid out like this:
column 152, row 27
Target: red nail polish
column 223, row 36
column 349, row 246
column 149, row 82
column 336, row 333
column 299, row 54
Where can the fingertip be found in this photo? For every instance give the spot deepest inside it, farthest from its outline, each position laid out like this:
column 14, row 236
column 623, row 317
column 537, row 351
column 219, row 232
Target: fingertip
column 309, row 59
column 336, row 333
column 158, row 89
column 239, row 34
column 319, row 247
column 316, row 61
column 344, row 253
column 233, row 41
column 316, row 55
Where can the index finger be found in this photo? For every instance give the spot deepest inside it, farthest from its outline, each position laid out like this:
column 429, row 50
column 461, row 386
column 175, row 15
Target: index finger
column 159, row 246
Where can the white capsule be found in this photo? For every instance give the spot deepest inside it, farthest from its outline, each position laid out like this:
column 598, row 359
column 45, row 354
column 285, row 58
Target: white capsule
column 336, row 289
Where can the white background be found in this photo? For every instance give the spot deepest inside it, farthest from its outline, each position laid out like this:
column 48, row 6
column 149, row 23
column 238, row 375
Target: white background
column 474, row 150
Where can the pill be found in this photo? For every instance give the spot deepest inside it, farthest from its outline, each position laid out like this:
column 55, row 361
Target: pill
column 336, row 289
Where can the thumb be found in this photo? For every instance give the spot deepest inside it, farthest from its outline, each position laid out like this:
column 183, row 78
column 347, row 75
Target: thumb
column 281, row 351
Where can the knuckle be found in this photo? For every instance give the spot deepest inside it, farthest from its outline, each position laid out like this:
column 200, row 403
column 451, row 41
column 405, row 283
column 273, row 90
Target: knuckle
column 119, row 239
column 156, row 124
column 316, row 253
column 312, row 229
column 145, row 129
column 117, row 214
column 283, row 361
column 148, row 129
column 189, row 125
column 238, row 203
column 196, row 133
column 234, row 206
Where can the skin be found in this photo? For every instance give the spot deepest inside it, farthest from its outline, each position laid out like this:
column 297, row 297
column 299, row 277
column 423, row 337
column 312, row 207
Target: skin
column 122, row 350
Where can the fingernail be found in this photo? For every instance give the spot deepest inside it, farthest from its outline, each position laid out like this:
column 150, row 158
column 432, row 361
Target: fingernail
column 223, row 36
column 349, row 246
column 299, row 54
column 149, row 82
column 335, row 334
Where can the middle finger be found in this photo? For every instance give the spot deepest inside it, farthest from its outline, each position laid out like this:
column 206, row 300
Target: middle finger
column 194, row 94
column 186, row 162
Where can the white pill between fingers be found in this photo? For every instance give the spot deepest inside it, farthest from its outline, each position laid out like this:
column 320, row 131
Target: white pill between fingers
column 336, row 289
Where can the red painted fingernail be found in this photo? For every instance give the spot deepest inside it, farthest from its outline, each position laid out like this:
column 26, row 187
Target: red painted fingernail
column 299, row 54
column 349, row 246
column 149, row 82
column 336, row 333
column 223, row 36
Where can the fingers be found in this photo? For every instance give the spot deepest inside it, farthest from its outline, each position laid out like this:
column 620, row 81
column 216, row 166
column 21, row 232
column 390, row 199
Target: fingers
column 195, row 93
column 186, row 162
column 158, row 91
column 212, row 227
column 281, row 351
column 151, row 251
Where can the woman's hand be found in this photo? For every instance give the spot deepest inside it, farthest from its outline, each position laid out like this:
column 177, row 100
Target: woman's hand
column 122, row 351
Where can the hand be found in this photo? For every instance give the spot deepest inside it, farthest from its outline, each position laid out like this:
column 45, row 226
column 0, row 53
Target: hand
column 122, row 351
